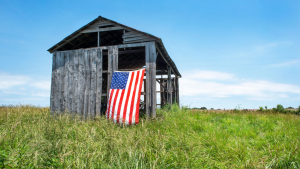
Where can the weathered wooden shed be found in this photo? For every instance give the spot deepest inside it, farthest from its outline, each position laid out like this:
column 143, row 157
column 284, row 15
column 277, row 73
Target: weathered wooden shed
column 84, row 61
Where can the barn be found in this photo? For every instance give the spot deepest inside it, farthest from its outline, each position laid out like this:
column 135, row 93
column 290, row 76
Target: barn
column 84, row 61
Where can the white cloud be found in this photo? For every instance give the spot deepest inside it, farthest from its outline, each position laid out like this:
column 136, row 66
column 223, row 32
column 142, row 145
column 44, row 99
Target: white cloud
column 41, row 94
column 15, row 89
column 210, row 75
column 285, row 63
column 8, row 81
column 42, row 85
column 230, row 86
column 272, row 45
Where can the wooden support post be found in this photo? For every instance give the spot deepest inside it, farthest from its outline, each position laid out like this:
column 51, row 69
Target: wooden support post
column 150, row 53
column 177, row 90
column 162, row 92
column 112, row 65
column 169, row 86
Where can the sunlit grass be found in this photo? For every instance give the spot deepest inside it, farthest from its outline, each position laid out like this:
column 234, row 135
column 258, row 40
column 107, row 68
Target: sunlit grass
column 31, row 137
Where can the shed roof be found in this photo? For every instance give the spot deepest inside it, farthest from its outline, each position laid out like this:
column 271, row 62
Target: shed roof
column 100, row 18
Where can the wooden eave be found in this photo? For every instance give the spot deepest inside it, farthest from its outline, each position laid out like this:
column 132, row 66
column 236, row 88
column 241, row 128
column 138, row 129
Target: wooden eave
column 100, row 18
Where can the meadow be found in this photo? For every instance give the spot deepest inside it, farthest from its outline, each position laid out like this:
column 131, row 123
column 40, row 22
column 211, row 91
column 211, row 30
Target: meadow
column 30, row 137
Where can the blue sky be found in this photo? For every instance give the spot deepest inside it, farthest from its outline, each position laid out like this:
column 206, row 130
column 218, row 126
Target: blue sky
column 229, row 52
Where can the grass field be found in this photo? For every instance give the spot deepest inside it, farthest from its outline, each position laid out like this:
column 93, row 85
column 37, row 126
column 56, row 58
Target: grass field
column 31, row 138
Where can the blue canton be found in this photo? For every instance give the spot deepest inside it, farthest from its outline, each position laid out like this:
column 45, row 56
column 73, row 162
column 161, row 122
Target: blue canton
column 119, row 80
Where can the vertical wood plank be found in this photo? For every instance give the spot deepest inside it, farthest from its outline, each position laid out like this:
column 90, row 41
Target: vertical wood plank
column 71, row 81
column 81, row 82
column 153, row 56
column 177, row 91
column 150, row 53
column 75, row 82
column 60, row 75
column 93, row 63
column 148, row 80
column 110, row 69
column 162, row 93
column 66, row 81
column 87, row 84
column 173, row 90
column 53, row 87
column 169, row 86
column 99, row 81
column 115, row 58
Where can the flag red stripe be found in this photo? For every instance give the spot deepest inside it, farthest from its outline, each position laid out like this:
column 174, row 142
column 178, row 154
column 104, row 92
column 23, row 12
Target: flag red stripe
column 114, row 104
column 133, row 97
column 137, row 112
column 120, row 104
column 109, row 102
column 127, row 98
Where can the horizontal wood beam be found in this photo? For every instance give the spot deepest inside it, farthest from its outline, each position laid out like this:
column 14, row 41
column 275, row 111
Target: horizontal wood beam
column 102, row 29
column 119, row 46
column 132, row 35
column 128, row 51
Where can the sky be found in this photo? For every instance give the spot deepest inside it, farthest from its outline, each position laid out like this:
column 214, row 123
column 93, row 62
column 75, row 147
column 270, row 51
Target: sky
column 231, row 53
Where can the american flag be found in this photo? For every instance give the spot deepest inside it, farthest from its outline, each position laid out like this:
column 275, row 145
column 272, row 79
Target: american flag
column 124, row 97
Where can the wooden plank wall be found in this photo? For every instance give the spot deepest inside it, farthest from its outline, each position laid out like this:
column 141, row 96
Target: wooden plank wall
column 135, row 37
column 76, row 84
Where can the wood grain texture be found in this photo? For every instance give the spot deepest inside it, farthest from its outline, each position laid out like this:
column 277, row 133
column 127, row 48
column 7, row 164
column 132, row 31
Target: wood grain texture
column 115, row 58
column 87, row 77
column 99, row 81
column 137, row 41
column 66, row 79
column 89, row 30
column 81, row 82
column 153, row 77
column 75, row 82
column 150, row 54
column 148, row 81
column 169, row 86
column 132, row 35
column 110, row 68
column 71, row 81
column 52, row 95
column 177, row 90
column 60, row 63
column 93, row 64
column 139, row 38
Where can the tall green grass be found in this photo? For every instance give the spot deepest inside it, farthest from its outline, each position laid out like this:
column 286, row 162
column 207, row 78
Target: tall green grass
column 31, row 138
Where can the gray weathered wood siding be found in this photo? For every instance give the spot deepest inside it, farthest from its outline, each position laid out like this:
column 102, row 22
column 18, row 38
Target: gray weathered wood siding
column 76, row 84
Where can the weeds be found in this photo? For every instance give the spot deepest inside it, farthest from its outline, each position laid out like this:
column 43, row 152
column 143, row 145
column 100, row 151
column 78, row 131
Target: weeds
column 178, row 138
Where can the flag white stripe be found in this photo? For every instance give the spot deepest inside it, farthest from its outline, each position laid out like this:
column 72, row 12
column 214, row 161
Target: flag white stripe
column 130, row 98
column 117, row 105
column 136, row 97
column 124, row 99
column 112, row 103
column 108, row 106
